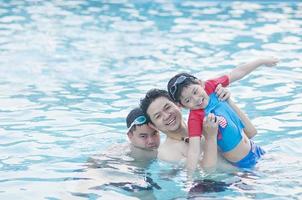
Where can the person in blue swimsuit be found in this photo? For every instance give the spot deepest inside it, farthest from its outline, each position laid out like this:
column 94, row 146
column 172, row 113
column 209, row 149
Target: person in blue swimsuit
column 234, row 128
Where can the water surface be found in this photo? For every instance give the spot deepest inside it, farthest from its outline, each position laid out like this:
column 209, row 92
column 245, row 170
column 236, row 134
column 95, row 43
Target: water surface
column 70, row 71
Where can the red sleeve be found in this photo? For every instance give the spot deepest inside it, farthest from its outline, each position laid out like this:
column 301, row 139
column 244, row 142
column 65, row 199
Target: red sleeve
column 195, row 122
column 210, row 85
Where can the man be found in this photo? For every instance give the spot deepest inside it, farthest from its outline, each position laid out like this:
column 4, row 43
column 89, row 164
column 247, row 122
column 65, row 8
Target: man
column 166, row 116
column 135, row 155
column 144, row 140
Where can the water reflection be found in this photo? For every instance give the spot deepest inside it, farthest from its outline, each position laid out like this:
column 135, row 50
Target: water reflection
column 71, row 70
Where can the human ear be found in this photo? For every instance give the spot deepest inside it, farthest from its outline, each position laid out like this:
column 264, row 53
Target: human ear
column 130, row 135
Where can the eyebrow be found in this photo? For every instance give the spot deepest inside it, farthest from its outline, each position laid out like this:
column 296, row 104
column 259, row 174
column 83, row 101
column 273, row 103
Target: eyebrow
column 193, row 88
column 181, row 96
column 159, row 111
column 155, row 114
column 166, row 105
column 148, row 133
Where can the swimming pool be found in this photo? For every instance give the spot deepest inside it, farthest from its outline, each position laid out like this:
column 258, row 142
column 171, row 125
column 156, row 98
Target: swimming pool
column 70, row 71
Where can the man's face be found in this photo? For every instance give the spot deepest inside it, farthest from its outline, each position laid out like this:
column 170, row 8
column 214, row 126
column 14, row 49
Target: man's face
column 145, row 137
column 165, row 115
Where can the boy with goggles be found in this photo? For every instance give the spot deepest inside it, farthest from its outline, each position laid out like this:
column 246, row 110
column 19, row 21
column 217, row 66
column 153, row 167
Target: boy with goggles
column 199, row 97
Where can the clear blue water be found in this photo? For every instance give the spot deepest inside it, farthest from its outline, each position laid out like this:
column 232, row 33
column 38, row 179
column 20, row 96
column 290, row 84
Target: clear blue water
column 70, row 71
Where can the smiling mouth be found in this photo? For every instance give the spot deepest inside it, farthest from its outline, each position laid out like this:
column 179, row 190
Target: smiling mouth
column 200, row 103
column 171, row 121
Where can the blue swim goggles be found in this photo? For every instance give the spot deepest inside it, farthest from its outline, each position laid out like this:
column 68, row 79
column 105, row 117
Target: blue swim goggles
column 138, row 121
column 178, row 81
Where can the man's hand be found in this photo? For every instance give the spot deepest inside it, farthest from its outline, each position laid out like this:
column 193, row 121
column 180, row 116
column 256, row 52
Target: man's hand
column 222, row 93
column 210, row 124
column 270, row 61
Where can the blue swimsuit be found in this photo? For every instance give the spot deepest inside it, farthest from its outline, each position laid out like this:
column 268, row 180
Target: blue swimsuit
column 230, row 127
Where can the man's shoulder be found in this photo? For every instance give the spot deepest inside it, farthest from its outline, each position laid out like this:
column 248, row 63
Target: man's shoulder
column 172, row 150
column 171, row 144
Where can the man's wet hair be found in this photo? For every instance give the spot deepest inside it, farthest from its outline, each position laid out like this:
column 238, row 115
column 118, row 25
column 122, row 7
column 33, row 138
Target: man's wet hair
column 151, row 96
column 178, row 87
column 133, row 114
column 133, row 128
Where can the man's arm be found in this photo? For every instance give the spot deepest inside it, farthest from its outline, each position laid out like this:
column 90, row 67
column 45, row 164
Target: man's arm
column 243, row 70
column 209, row 160
column 249, row 129
column 222, row 93
column 193, row 154
column 210, row 153
column 210, row 131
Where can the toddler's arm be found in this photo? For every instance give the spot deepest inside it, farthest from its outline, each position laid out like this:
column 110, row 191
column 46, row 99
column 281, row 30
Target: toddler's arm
column 243, row 70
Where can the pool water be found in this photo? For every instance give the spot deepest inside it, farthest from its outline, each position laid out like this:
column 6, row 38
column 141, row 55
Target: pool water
column 70, row 71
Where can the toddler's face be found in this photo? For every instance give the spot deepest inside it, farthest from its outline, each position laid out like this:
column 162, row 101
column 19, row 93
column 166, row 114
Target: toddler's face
column 194, row 97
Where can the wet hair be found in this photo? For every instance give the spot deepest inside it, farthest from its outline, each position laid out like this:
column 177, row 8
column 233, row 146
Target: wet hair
column 133, row 128
column 150, row 96
column 189, row 79
column 133, row 114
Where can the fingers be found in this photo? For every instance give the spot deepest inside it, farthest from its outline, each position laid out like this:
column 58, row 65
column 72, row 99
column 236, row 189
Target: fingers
column 272, row 62
column 214, row 119
column 219, row 89
column 222, row 93
column 211, row 117
column 210, row 126
column 211, row 120
column 226, row 96
column 275, row 60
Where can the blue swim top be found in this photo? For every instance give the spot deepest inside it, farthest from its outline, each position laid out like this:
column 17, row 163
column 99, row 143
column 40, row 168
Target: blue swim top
column 230, row 125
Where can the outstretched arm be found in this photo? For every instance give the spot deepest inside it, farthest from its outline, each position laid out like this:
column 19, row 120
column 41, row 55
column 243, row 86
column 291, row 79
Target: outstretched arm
column 249, row 129
column 243, row 70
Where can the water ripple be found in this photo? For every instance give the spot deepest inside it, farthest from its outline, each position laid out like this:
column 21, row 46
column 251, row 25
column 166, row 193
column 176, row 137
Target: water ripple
column 71, row 71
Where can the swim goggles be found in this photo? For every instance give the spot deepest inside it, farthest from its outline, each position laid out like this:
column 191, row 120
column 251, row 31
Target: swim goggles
column 138, row 121
column 178, row 81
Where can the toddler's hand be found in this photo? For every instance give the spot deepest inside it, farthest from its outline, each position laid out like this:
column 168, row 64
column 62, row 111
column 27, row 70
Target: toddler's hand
column 222, row 93
column 270, row 61
column 210, row 126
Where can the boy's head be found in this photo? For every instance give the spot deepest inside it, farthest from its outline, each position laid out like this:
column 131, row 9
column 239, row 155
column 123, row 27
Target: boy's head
column 139, row 133
column 161, row 110
column 187, row 90
column 178, row 82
